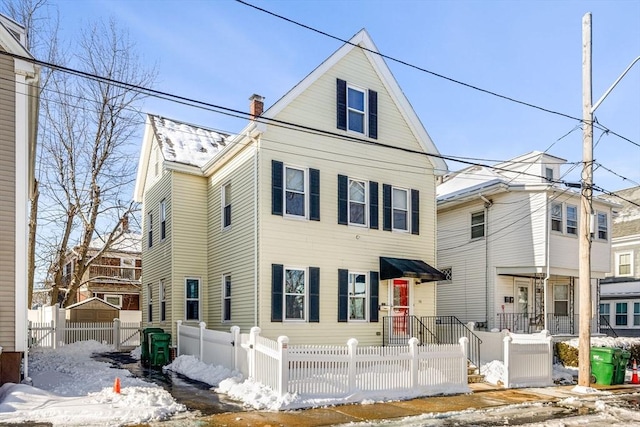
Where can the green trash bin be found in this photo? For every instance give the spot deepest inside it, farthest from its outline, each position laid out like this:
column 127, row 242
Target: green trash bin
column 621, row 370
column 145, row 345
column 160, row 349
column 604, row 363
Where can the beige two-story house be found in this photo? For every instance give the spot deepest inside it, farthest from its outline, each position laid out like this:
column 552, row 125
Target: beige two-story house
column 508, row 243
column 316, row 221
column 19, row 92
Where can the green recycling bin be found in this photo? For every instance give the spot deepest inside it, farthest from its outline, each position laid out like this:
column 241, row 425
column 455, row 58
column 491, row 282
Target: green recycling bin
column 145, row 345
column 604, row 364
column 621, row 371
column 160, row 349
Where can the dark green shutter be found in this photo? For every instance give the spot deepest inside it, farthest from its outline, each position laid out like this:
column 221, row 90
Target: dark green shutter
column 343, row 295
column 314, row 194
column 277, row 272
column 341, row 95
column 415, row 212
column 314, row 294
column 386, row 207
column 373, row 205
column 373, row 114
column 343, row 202
column 373, row 299
column 276, row 187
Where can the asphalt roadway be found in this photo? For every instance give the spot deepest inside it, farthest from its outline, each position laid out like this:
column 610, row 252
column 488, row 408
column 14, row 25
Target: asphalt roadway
column 483, row 396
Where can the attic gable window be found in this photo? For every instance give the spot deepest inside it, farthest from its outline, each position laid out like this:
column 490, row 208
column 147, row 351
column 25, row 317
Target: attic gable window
column 477, row 225
column 357, row 109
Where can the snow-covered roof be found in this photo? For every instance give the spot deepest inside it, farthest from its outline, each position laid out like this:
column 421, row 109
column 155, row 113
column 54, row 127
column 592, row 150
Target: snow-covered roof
column 186, row 143
column 466, row 180
column 90, row 300
column 128, row 242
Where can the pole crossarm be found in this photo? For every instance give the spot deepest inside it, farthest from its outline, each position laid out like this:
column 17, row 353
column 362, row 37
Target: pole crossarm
column 597, row 104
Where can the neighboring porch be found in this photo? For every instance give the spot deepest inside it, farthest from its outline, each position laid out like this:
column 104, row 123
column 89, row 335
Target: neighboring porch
column 557, row 324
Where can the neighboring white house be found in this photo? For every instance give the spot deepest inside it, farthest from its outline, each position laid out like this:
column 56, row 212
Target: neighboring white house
column 508, row 242
column 316, row 221
column 620, row 291
column 19, row 89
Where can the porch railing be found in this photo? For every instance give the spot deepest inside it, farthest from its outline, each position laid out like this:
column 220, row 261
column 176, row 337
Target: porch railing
column 557, row 324
column 397, row 330
column 606, row 328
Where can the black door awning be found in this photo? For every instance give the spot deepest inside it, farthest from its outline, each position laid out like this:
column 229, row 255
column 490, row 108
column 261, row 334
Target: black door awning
column 393, row 268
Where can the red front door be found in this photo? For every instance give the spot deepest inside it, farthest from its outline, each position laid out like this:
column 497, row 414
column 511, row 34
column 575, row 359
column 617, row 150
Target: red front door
column 400, row 305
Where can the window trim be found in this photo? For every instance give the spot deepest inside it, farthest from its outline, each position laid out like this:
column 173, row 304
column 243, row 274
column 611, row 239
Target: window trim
column 119, row 304
column 557, row 219
column 365, row 205
column 575, row 227
column 226, row 298
column 364, row 111
column 556, row 299
column 617, row 256
column 605, row 229
column 407, row 211
column 163, row 219
column 224, row 204
column 548, row 174
column 304, row 318
column 198, row 299
column 607, row 315
column 483, row 224
column 150, row 230
column 305, row 193
column 162, row 289
column 636, row 314
column 150, row 302
column 620, row 313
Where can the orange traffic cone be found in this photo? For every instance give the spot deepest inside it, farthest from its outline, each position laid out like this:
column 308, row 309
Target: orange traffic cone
column 116, row 386
column 634, row 376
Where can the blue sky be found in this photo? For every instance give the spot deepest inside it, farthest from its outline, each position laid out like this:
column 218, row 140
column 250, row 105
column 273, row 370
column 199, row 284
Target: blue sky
column 223, row 51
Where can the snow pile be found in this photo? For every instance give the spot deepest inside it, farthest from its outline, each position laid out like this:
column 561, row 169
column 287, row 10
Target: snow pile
column 619, row 342
column 191, row 367
column 72, row 389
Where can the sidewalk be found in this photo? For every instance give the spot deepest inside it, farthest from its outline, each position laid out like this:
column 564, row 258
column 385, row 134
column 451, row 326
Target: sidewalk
column 483, row 396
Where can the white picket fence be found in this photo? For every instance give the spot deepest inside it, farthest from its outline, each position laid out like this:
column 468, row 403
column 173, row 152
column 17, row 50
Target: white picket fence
column 122, row 335
column 331, row 371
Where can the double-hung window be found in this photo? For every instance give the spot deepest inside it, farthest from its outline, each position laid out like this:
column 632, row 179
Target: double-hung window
column 477, row 225
column 295, row 199
column 548, row 174
column 226, row 205
column 636, row 314
column 623, row 263
column 357, row 202
column 295, row 293
column 356, row 109
column 400, row 209
column 192, row 294
column 605, row 311
column 603, row 226
column 163, row 219
column 621, row 314
column 150, row 302
column 150, row 229
column 163, row 301
column 226, row 298
column 556, row 217
column 357, row 296
column 561, row 300
column 572, row 220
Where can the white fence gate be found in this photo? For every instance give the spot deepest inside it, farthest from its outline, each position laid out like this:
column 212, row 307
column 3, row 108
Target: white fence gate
column 54, row 333
column 528, row 360
column 209, row 346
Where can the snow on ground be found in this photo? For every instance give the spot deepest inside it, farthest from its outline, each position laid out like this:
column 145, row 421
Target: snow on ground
column 71, row 389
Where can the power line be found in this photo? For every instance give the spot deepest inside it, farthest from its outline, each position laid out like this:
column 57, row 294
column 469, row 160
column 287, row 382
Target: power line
column 424, row 70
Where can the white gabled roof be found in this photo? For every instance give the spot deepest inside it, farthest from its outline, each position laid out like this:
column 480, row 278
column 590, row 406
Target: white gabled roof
column 467, row 180
column 362, row 40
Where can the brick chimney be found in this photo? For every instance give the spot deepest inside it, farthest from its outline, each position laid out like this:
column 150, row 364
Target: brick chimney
column 257, row 106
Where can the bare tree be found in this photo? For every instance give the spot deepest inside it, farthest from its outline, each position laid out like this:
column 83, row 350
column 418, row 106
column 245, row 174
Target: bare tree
column 86, row 163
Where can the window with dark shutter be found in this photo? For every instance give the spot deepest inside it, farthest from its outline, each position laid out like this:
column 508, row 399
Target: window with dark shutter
column 343, row 202
column 314, row 294
column 386, row 207
column 276, row 187
column 343, row 295
column 277, row 271
column 314, row 194
column 374, row 289
column 341, row 97
column 373, row 205
column 373, row 114
column 415, row 212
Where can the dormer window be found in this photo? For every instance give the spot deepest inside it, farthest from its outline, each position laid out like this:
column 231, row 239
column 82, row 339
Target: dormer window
column 548, row 173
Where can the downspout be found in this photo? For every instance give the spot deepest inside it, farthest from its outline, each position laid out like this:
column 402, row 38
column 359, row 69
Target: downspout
column 487, row 204
column 548, row 272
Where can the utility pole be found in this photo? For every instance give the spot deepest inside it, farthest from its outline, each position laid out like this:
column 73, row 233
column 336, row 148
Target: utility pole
column 584, row 272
